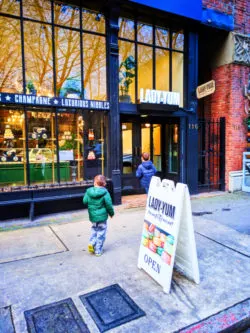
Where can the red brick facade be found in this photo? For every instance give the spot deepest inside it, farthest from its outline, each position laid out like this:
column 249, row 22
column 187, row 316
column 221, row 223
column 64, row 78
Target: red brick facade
column 228, row 100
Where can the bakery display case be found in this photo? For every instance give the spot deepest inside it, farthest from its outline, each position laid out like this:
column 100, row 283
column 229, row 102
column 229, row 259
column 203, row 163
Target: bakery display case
column 47, row 147
column 12, row 148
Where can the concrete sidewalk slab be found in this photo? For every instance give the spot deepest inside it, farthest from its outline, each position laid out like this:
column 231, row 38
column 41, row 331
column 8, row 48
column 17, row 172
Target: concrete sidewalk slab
column 28, row 243
column 223, row 235
column 43, row 280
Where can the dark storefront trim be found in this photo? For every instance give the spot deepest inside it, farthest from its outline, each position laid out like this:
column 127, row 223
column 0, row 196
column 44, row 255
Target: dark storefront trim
column 114, row 111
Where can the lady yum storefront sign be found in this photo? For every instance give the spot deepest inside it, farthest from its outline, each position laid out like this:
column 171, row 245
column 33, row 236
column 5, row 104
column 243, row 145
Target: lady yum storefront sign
column 159, row 97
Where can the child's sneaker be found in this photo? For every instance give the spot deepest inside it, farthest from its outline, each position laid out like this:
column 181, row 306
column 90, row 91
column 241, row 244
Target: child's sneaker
column 98, row 254
column 91, row 248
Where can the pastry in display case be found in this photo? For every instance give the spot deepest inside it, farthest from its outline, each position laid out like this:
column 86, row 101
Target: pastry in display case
column 39, row 133
column 8, row 134
column 10, row 156
column 41, row 154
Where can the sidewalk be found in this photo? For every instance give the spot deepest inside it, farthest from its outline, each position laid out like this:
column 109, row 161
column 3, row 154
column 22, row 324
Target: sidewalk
column 49, row 263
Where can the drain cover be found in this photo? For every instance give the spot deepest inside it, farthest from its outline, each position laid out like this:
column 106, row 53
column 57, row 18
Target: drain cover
column 57, row 317
column 110, row 307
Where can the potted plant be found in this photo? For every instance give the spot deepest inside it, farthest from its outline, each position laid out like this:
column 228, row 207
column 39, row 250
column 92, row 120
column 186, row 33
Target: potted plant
column 30, row 86
column 126, row 76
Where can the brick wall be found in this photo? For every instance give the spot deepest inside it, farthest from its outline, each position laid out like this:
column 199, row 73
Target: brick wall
column 223, row 6
column 228, row 100
column 240, row 9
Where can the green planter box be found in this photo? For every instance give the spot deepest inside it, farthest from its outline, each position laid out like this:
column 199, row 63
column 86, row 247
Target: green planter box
column 13, row 173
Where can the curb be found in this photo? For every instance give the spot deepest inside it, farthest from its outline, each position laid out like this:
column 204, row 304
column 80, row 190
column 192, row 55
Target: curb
column 233, row 319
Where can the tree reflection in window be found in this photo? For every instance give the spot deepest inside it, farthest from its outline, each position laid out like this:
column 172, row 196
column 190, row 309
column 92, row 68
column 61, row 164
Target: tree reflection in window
column 126, row 29
column 66, row 15
column 93, row 21
column 144, row 33
column 10, row 56
column 39, row 45
column 162, row 37
column 10, row 7
column 68, row 63
column 94, row 60
column 39, row 10
column 127, row 66
column 178, row 40
column 38, row 58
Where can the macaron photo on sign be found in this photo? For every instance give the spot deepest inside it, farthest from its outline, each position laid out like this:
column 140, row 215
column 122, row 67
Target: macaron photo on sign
column 168, row 234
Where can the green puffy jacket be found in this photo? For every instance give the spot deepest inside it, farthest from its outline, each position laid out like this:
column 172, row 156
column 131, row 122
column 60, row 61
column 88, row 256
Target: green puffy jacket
column 99, row 204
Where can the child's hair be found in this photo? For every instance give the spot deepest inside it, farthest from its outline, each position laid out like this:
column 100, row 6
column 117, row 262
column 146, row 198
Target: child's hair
column 145, row 156
column 100, row 180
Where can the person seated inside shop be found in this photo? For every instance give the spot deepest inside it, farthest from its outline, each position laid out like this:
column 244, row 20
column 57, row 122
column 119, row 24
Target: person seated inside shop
column 98, row 149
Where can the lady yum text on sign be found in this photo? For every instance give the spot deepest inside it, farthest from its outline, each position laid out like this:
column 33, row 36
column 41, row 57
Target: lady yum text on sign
column 159, row 96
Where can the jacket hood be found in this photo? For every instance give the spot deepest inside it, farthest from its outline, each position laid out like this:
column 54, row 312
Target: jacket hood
column 96, row 192
column 147, row 165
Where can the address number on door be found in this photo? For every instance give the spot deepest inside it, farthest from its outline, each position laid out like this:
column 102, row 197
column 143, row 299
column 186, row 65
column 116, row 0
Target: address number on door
column 193, row 126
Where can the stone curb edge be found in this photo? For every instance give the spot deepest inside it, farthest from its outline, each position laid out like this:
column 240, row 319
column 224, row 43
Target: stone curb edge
column 232, row 319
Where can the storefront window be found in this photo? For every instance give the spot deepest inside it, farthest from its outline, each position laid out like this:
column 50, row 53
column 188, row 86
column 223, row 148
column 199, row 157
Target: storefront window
column 93, row 21
column 157, row 65
column 12, row 148
column 145, row 67
column 94, row 144
column 145, row 137
column 39, row 10
column 10, row 7
column 94, row 59
column 38, row 59
column 178, row 40
column 127, row 67
column 127, row 29
column 144, row 33
column 162, row 69
column 81, row 138
column 66, row 15
column 68, row 63
column 162, row 37
column 10, row 56
column 42, row 147
column 177, row 73
column 157, row 158
column 127, row 152
column 79, row 65
column 70, row 139
column 172, row 136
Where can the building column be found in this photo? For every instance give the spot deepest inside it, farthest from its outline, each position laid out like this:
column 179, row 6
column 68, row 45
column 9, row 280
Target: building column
column 114, row 115
column 192, row 121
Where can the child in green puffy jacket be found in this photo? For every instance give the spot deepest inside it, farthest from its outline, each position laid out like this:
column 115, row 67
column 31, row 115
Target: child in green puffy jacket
column 100, row 206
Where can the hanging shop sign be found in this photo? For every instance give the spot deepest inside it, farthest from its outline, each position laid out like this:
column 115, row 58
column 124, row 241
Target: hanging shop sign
column 159, row 97
column 168, row 233
column 35, row 100
column 205, row 89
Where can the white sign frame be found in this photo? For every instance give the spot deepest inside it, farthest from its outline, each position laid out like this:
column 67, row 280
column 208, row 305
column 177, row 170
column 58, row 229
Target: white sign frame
column 205, row 89
column 66, row 155
column 168, row 234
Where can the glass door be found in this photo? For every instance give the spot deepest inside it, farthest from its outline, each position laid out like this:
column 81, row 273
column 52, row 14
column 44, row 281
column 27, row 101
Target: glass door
column 171, row 152
column 160, row 140
column 136, row 139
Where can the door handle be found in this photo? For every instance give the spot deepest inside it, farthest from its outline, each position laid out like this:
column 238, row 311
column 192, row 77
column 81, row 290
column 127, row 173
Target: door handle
column 137, row 151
